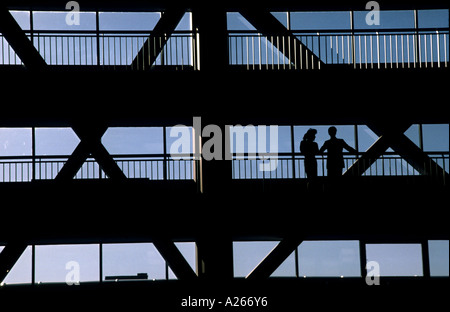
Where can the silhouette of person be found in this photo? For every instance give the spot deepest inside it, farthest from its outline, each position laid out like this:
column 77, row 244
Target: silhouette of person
column 335, row 158
column 310, row 149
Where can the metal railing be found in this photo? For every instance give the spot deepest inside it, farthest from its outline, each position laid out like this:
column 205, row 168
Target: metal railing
column 292, row 166
column 148, row 166
column 133, row 50
column 362, row 49
column 163, row 167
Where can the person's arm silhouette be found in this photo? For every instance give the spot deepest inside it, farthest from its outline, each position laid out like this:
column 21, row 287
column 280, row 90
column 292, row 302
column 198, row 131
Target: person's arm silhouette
column 323, row 148
column 348, row 147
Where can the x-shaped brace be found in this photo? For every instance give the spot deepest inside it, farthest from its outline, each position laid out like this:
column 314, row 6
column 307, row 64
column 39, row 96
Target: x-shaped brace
column 90, row 144
column 275, row 258
column 393, row 136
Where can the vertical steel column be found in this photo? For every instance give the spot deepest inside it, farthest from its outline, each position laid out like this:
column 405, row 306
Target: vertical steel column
column 355, row 129
column 165, row 168
column 416, row 41
column 33, row 153
column 293, row 151
column 420, row 137
column 363, row 258
column 97, row 36
column 100, row 255
column 31, row 27
column 214, row 258
column 425, row 259
column 33, row 264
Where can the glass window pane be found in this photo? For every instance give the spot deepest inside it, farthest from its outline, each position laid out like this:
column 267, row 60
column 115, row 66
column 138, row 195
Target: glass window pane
column 57, row 20
column 366, row 137
column 388, row 19
column 55, row 141
column 413, row 134
column 282, row 17
column 15, row 141
column 343, row 132
column 320, row 20
column 179, row 140
column 247, row 255
column 134, row 140
column 132, row 259
column 128, row 20
column 287, row 268
column 433, row 18
column 396, row 259
column 22, row 18
column 259, row 139
column 21, row 271
column 329, row 258
column 435, row 137
column 185, row 22
column 57, row 263
column 439, row 257
column 235, row 21
column 284, row 139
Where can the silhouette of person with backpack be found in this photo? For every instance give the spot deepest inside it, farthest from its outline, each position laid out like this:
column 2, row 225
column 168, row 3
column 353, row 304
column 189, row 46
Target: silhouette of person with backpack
column 335, row 157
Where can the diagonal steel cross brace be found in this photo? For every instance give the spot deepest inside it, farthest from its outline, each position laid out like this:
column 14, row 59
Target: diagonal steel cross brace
column 282, row 38
column 375, row 150
column 393, row 136
column 90, row 144
column 19, row 41
column 275, row 258
column 180, row 267
column 155, row 43
column 9, row 256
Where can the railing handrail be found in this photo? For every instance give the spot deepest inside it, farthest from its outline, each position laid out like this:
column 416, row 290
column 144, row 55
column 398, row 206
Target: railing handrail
column 39, row 157
column 113, row 32
column 176, row 155
column 339, row 31
column 194, row 31
column 296, row 154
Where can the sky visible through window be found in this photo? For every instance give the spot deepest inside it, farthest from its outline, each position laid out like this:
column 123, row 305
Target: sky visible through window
column 338, row 258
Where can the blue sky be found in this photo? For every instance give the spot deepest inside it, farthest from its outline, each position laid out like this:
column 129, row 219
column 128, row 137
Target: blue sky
column 315, row 258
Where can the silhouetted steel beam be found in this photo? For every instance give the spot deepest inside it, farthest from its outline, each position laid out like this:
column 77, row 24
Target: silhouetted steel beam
column 9, row 256
column 153, row 46
column 393, row 136
column 175, row 259
column 409, row 151
column 90, row 144
column 19, row 41
column 375, row 151
column 281, row 38
column 74, row 163
column 275, row 258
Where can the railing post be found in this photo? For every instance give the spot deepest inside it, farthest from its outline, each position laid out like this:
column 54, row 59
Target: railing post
column 416, row 41
column 352, row 27
column 438, row 48
column 318, row 43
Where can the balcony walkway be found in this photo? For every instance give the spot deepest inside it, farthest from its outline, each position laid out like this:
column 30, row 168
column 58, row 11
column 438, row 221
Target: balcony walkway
column 165, row 167
column 247, row 50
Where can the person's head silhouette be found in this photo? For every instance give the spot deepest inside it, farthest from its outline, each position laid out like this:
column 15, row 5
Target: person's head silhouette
column 310, row 135
column 332, row 131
